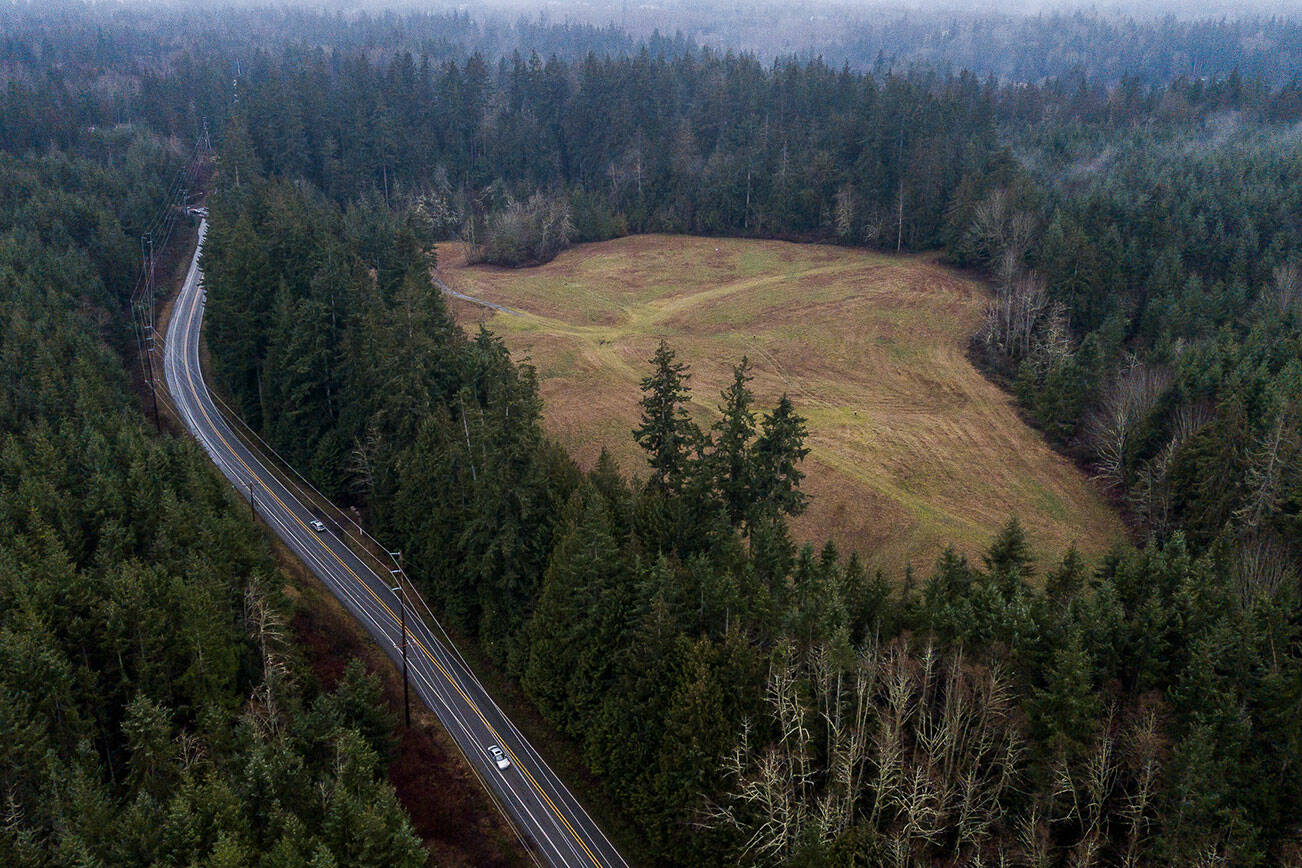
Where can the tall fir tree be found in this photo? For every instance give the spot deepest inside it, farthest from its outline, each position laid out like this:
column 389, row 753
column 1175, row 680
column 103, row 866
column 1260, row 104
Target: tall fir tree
column 667, row 433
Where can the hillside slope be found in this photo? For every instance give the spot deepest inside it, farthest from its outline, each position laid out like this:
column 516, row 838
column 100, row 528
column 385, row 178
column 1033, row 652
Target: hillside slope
column 912, row 448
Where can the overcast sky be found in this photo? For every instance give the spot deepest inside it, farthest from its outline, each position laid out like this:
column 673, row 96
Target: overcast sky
column 614, row 10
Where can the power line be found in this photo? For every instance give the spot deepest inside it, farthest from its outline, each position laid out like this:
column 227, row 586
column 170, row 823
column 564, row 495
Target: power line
column 148, row 243
column 143, row 299
column 410, row 594
column 396, row 571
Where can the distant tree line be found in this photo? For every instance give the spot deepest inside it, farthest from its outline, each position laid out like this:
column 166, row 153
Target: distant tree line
column 665, row 138
column 1098, row 46
column 709, row 144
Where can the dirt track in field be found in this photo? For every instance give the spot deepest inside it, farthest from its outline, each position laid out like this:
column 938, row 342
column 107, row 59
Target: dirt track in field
column 912, row 449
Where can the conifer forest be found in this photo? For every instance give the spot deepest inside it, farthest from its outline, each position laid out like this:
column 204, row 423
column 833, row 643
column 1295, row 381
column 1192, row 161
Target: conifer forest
column 1128, row 189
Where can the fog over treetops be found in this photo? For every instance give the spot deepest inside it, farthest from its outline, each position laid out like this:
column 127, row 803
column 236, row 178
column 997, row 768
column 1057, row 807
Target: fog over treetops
column 1150, row 41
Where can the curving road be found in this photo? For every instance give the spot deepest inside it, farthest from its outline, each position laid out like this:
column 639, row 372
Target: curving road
column 558, row 830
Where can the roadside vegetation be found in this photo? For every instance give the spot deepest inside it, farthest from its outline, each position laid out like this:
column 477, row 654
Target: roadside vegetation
column 155, row 709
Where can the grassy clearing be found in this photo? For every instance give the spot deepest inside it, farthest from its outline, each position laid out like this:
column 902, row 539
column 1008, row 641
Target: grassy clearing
column 912, row 448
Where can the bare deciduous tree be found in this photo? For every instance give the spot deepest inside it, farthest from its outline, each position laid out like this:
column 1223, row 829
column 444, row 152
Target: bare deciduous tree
column 1133, row 393
column 1103, row 807
column 191, row 749
column 434, row 210
column 1210, row 857
column 523, row 232
column 1013, row 319
column 1265, row 564
column 1150, row 497
column 628, row 168
column 920, row 750
column 1286, row 287
column 1053, row 341
column 1266, row 467
column 843, row 213
column 921, row 746
column 1002, row 234
column 874, row 224
column 362, row 460
column 267, row 629
column 1144, row 750
column 1033, row 839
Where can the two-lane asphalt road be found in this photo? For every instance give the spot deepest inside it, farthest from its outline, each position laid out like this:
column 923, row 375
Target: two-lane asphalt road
column 558, row 830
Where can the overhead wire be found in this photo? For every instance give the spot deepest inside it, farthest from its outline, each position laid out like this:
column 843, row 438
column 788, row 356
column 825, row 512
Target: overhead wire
column 257, row 443
column 357, row 538
column 157, row 236
column 413, row 598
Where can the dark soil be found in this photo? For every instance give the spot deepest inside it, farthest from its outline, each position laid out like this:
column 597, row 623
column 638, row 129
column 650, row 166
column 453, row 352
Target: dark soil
column 449, row 808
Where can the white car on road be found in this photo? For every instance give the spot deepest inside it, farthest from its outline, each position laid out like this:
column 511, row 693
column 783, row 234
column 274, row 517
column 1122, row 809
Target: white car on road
column 317, row 525
column 499, row 757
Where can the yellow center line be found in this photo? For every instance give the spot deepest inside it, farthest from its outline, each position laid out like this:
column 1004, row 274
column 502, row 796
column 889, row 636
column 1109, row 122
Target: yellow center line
column 416, row 639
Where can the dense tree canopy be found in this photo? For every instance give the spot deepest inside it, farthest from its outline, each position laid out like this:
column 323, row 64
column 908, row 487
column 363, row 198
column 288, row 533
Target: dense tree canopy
column 744, row 698
column 153, row 708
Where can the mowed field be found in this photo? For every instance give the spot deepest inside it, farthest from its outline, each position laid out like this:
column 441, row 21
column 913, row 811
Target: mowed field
column 912, row 449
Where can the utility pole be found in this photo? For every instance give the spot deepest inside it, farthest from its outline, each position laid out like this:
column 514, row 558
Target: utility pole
column 148, row 241
column 253, row 512
column 402, row 607
column 153, row 387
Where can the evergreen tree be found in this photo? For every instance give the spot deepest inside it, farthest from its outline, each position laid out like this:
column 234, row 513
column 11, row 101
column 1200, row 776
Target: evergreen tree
column 732, row 460
column 778, row 452
column 239, row 161
column 667, row 433
column 1065, row 712
column 1009, row 560
column 1063, row 584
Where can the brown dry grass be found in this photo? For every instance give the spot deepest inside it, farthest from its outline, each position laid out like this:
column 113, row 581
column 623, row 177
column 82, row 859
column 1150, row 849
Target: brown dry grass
column 912, row 449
